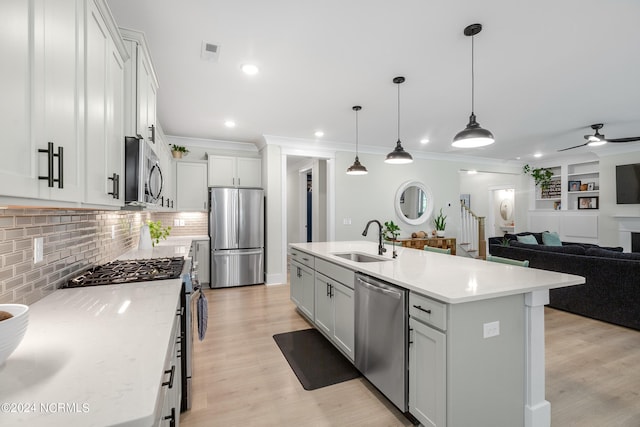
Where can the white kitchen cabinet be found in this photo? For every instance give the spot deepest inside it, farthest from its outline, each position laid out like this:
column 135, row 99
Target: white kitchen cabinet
column 334, row 312
column 171, row 387
column 191, row 186
column 302, row 288
column 201, row 255
column 104, row 92
column 162, row 150
column 427, row 370
column 141, row 87
column 235, row 171
column 41, row 99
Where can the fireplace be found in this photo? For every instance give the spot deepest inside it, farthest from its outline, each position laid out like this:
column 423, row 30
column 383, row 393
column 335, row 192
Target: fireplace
column 629, row 232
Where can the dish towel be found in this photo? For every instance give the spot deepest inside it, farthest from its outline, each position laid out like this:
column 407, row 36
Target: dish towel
column 203, row 315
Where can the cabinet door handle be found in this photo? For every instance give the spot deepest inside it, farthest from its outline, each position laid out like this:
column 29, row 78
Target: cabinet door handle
column 171, row 373
column 50, row 155
column 152, row 128
column 115, row 191
column 428, row 311
column 410, row 336
column 238, row 181
column 171, row 417
column 328, row 291
column 49, row 152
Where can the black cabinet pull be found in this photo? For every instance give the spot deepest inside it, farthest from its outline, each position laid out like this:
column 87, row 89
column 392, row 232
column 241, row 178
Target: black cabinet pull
column 162, row 201
column 410, row 332
column 328, row 291
column 115, row 192
column 152, row 128
column 422, row 309
column 171, row 417
column 171, row 373
column 50, row 157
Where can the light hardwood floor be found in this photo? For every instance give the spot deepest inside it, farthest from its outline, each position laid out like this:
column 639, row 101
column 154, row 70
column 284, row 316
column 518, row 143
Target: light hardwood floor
column 242, row 379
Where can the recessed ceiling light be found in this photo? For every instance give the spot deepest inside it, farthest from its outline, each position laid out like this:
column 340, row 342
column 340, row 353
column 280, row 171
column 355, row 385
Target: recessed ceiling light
column 424, row 141
column 250, row 69
column 230, row 123
column 537, row 155
column 319, row 134
column 472, row 172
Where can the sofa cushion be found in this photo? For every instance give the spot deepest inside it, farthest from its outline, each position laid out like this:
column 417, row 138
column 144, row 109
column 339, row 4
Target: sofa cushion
column 551, row 239
column 567, row 249
column 538, row 236
column 528, row 239
column 605, row 253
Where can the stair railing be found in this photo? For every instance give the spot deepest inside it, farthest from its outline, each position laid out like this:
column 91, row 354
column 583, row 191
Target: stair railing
column 472, row 233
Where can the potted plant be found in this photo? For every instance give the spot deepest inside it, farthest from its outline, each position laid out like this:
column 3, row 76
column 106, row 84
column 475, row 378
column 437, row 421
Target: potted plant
column 391, row 232
column 541, row 176
column 157, row 231
column 440, row 223
column 178, row 151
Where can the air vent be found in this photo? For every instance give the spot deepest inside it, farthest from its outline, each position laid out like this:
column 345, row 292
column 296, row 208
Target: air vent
column 210, row 51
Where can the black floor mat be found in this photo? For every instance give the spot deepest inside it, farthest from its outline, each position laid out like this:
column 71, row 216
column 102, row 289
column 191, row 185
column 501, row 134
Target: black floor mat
column 315, row 361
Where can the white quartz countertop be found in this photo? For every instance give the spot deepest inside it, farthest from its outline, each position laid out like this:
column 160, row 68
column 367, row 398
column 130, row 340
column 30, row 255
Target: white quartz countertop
column 447, row 278
column 92, row 356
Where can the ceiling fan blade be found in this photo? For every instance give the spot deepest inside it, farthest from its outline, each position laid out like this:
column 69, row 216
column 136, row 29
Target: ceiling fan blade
column 576, row 146
column 630, row 139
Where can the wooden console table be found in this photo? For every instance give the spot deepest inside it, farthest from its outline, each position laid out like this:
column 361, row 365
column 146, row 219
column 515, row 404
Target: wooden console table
column 435, row 242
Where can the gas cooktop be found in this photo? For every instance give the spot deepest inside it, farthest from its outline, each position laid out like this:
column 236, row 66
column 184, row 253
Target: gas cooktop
column 136, row 270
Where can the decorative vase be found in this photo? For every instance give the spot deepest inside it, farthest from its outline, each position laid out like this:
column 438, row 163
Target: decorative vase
column 177, row 154
column 440, row 233
column 145, row 238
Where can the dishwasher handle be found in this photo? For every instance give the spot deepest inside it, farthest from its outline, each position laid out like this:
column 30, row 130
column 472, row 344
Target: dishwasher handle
column 376, row 288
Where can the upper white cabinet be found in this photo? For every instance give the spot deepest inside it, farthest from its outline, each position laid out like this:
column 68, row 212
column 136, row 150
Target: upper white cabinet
column 40, row 112
column 191, row 186
column 104, row 92
column 162, row 150
column 141, row 86
column 61, row 106
column 235, row 171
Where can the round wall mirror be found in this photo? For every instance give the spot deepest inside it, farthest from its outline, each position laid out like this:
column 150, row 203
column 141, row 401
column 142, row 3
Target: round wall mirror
column 414, row 202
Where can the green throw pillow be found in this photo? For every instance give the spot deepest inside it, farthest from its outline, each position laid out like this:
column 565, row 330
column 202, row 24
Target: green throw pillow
column 528, row 239
column 551, row 239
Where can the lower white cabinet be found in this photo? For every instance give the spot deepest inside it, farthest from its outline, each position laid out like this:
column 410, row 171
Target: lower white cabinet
column 302, row 288
column 334, row 312
column 427, row 374
column 191, row 186
column 171, row 387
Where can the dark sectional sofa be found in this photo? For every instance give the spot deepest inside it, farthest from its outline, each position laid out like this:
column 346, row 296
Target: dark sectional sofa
column 612, row 289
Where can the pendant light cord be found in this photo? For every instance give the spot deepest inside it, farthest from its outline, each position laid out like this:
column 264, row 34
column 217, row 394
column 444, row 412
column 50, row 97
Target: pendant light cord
column 472, row 77
column 356, row 133
column 398, row 111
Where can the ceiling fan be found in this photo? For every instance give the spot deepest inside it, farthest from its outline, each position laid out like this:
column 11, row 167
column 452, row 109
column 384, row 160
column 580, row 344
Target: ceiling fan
column 598, row 139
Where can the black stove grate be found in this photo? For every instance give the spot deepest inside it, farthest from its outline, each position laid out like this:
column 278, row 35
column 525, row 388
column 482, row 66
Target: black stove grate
column 137, row 270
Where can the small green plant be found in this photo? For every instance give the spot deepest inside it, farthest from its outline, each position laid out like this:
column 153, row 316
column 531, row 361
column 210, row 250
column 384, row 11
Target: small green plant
column 505, row 242
column 157, row 231
column 440, row 221
column 541, row 176
column 179, row 149
column 391, row 231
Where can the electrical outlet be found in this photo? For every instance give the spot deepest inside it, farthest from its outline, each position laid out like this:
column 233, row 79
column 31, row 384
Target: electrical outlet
column 182, row 223
column 346, row 221
column 38, row 250
column 491, row 329
column 176, row 222
column 113, row 232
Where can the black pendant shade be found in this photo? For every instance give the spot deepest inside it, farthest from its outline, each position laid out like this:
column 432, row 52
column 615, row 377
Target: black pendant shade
column 357, row 168
column 473, row 135
column 398, row 155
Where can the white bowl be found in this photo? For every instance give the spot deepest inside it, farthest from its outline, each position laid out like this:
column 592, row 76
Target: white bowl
column 12, row 330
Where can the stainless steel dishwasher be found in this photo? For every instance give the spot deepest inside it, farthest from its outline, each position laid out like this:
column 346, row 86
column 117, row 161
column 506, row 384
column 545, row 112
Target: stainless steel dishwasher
column 381, row 335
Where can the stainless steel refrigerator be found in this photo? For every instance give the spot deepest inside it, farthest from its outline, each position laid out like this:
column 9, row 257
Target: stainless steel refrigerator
column 236, row 230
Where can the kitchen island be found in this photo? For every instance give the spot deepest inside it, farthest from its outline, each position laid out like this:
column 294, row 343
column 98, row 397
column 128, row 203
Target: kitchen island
column 480, row 358
column 97, row 356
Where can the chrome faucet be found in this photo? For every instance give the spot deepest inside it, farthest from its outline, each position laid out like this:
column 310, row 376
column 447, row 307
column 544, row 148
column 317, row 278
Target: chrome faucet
column 381, row 249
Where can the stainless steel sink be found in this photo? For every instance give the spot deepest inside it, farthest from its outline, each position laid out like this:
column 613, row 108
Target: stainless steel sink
column 361, row 257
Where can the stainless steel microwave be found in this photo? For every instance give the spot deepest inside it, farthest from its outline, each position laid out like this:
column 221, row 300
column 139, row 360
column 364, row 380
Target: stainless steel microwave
column 143, row 175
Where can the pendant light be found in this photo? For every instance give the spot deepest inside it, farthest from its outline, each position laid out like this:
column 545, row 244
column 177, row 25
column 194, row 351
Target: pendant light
column 398, row 156
column 473, row 135
column 356, row 168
